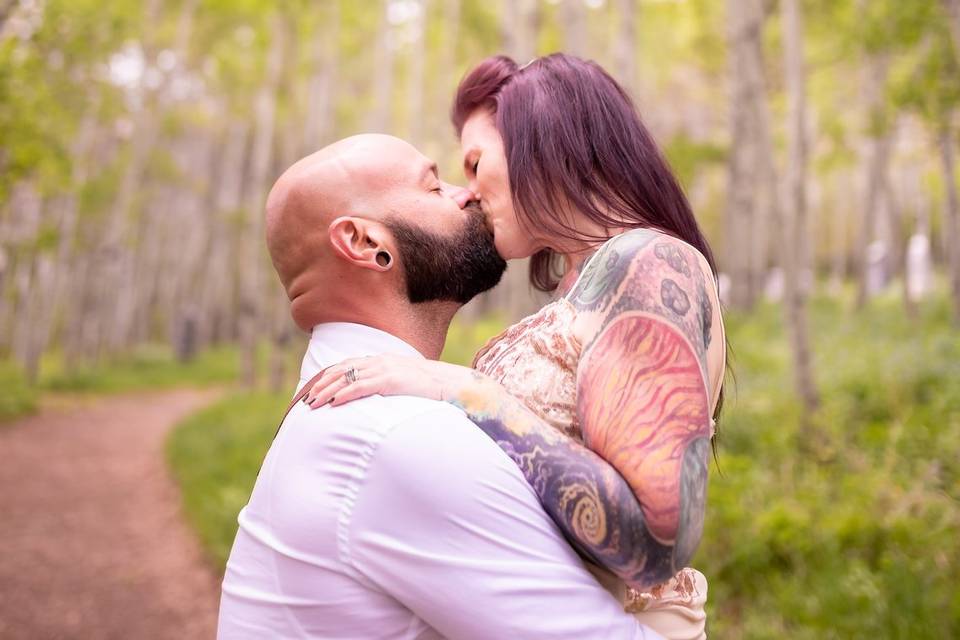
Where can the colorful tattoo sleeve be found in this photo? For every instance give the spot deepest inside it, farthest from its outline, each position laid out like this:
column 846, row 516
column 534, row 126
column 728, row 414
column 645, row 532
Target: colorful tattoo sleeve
column 633, row 498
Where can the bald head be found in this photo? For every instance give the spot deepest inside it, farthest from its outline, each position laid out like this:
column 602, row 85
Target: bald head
column 347, row 178
column 363, row 230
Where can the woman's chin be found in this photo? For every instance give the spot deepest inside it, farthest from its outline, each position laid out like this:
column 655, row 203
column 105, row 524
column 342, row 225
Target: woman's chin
column 510, row 249
column 512, row 253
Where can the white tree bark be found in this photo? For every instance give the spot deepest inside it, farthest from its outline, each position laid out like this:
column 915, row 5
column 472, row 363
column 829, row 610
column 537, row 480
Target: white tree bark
column 951, row 214
column 877, row 154
column 751, row 196
column 625, row 45
column 795, row 202
column 117, row 287
column 219, row 293
column 952, row 8
column 321, row 91
column 573, row 22
column 415, row 79
column 252, row 253
column 378, row 119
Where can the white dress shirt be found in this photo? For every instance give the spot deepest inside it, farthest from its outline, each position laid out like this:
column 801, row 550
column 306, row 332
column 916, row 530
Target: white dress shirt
column 396, row 517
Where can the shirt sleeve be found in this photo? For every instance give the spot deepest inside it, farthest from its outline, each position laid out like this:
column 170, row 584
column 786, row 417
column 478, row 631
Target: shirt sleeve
column 446, row 524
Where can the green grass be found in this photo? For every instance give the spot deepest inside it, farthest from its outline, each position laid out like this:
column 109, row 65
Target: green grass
column 850, row 529
column 215, row 455
column 147, row 367
column 17, row 396
column 464, row 340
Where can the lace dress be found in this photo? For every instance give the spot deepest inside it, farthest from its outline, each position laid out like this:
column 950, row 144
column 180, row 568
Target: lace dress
column 536, row 361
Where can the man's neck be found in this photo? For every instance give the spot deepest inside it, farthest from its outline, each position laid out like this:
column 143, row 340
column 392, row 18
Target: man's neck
column 423, row 326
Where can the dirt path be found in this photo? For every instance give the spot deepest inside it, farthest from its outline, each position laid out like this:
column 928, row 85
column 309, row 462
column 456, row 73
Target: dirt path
column 92, row 543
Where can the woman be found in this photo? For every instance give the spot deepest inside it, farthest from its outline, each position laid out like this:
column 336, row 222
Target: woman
column 604, row 397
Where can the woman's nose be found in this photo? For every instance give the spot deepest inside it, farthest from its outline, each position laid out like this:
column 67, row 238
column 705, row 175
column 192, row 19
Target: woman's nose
column 460, row 195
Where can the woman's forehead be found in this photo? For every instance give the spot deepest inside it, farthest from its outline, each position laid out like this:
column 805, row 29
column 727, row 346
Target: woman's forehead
column 480, row 125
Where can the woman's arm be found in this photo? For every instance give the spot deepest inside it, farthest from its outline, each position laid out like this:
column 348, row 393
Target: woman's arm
column 587, row 497
column 636, row 505
column 633, row 499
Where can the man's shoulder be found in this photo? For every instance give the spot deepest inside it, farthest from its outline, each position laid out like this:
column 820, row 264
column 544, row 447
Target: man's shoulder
column 438, row 450
column 399, row 410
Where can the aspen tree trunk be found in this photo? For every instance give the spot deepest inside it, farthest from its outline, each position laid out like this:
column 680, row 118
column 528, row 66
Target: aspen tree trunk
column 117, row 292
column 113, row 295
column 951, row 214
column 415, row 79
column 66, row 276
column 220, row 287
column 877, row 160
column 952, row 8
column 447, row 57
column 49, row 300
column 6, row 9
column 902, row 224
column 625, row 45
column 520, row 26
column 795, row 203
column 27, row 209
column 251, row 244
column 277, row 319
column 324, row 57
column 742, row 28
column 573, row 21
column 838, row 239
column 189, row 259
column 766, row 210
column 947, row 155
column 378, row 119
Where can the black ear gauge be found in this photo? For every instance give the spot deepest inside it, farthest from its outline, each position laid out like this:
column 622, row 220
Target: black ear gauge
column 384, row 259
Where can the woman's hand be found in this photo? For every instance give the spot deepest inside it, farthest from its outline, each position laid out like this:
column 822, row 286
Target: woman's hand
column 390, row 376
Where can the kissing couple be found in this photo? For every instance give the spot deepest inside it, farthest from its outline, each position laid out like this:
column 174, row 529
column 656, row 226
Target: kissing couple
column 556, row 488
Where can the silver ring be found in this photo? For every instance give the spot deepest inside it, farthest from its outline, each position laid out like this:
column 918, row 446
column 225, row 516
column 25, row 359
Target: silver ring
column 351, row 375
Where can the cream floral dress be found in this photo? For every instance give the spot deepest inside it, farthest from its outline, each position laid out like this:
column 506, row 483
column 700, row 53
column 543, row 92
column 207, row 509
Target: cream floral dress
column 536, row 361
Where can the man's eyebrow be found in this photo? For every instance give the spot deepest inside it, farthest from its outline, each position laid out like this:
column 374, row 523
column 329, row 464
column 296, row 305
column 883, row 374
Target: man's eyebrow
column 428, row 169
column 466, row 160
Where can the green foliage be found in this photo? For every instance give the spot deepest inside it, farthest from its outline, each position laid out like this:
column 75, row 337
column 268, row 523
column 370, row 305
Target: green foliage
column 17, row 397
column 215, row 456
column 688, row 157
column 465, row 339
column 847, row 530
column 149, row 367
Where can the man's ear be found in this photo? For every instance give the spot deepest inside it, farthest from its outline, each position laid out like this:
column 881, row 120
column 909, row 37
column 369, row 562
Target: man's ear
column 358, row 240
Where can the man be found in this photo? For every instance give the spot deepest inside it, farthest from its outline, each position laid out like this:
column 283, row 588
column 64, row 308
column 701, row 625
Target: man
column 393, row 517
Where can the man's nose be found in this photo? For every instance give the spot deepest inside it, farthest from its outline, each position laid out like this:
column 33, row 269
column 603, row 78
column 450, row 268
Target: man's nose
column 460, row 195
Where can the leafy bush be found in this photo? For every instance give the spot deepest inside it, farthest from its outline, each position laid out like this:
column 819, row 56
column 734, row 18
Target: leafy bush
column 17, row 397
column 847, row 530
column 850, row 529
column 150, row 366
column 215, row 455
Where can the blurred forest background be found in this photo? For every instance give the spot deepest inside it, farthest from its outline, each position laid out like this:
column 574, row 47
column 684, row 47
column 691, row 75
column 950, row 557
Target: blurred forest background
column 816, row 139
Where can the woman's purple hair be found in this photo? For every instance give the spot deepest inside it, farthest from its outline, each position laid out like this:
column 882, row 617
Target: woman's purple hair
column 572, row 135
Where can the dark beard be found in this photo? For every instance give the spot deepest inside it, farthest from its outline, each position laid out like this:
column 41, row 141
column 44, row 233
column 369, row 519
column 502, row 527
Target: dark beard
column 453, row 268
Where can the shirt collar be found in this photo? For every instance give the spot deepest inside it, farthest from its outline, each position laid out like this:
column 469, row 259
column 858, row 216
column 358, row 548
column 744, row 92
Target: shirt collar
column 332, row 342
